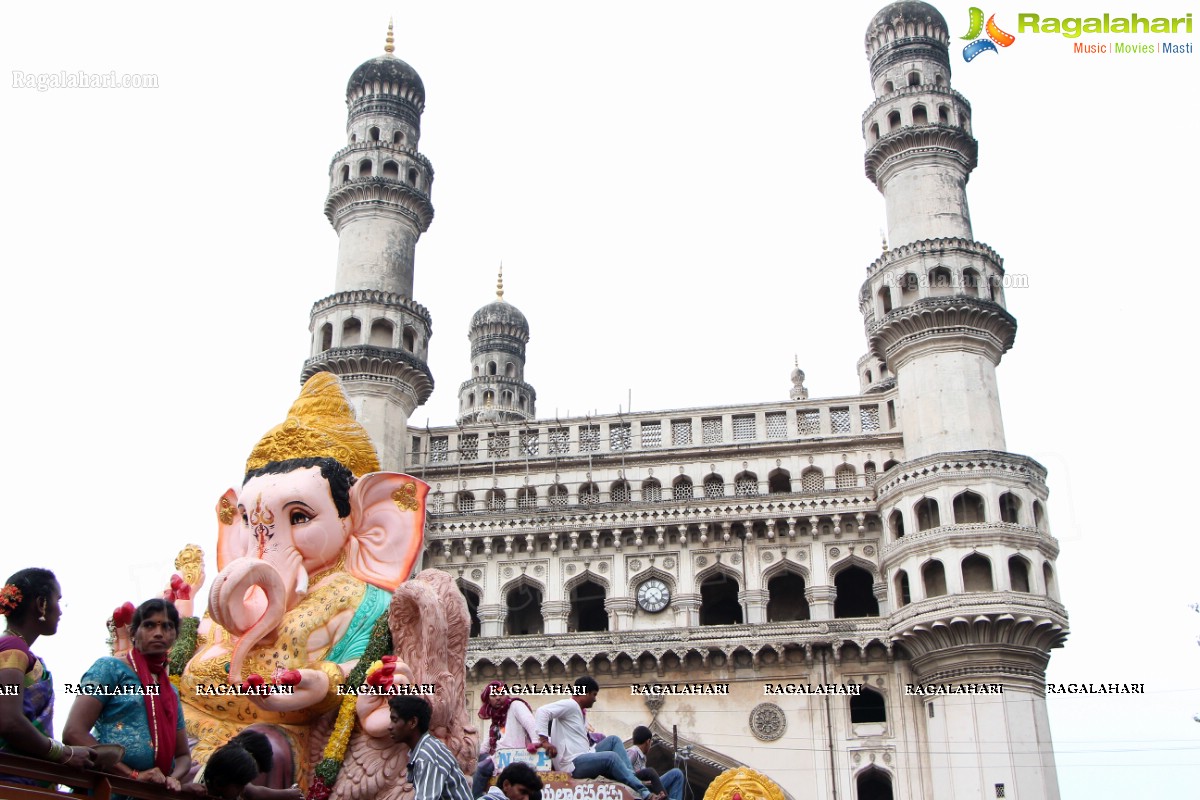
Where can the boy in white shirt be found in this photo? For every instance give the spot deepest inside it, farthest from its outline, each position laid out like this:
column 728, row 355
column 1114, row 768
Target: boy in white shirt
column 572, row 752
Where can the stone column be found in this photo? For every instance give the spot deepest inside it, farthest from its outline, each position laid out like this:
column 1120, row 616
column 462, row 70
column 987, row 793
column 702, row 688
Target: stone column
column 555, row 614
column 491, row 619
column 820, row 601
column 755, row 603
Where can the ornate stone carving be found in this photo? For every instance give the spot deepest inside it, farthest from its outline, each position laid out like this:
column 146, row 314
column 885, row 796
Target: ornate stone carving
column 539, row 569
column 476, row 574
column 701, row 561
column 508, row 572
column 668, row 563
column 635, row 564
column 603, row 566
column 768, row 557
column 737, row 558
column 767, row 722
column 834, row 552
column 570, row 569
column 868, row 550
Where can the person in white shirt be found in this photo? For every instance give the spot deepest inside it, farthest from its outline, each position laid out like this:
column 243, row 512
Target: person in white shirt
column 510, row 726
column 670, row 782
column 572, row 751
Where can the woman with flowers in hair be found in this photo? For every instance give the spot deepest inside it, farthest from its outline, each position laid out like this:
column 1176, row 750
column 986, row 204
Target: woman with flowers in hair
column 512, row 726
column 29, row 601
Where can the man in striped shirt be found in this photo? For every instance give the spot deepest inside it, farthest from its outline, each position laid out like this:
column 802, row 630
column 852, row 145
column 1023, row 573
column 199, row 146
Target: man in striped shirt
column 432, row 769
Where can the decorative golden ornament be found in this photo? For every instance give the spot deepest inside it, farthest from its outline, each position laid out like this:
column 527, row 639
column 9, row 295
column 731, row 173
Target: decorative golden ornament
column 226, row 512
column 745, row 784
column 320, row 424
column 406, row 497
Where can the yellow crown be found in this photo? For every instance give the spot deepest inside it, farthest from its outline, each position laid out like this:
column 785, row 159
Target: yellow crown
column 320, row 424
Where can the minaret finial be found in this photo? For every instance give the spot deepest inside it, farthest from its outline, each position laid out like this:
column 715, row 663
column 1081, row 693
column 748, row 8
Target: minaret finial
column 500, row 283
column 389, row 46
column 797, row 358
column 883, row 239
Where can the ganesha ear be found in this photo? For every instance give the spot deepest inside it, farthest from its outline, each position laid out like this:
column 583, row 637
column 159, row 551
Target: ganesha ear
column 387, row 527
column 232, row 535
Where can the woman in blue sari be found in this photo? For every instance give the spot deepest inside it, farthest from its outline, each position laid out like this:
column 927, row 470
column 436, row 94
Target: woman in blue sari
column 29, row 601
column 130, row 701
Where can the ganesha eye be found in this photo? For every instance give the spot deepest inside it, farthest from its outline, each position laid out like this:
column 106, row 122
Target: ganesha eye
column 245, row 518
column 300, row 517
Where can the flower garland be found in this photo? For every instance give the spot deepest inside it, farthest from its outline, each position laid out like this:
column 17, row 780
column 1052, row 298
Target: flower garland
column 379, row 645
column 184, row 647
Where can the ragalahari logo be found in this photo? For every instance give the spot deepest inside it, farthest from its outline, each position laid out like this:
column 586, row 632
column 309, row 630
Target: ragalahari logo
column 995, row 36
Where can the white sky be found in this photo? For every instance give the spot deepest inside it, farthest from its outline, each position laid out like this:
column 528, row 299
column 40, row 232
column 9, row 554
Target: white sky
column 677, row 193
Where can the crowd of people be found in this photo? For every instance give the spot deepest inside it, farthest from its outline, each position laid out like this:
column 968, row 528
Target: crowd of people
column 129, row 701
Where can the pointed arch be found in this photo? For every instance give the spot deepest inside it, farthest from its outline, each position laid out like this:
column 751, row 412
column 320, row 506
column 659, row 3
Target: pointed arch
column 646, row 574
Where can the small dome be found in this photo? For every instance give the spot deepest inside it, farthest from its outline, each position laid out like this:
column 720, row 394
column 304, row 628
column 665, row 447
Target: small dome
column 499, row 312
column 385, row 69
column 912, row 11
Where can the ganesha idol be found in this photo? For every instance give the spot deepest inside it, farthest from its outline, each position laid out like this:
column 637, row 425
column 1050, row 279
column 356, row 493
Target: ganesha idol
column 310, row 550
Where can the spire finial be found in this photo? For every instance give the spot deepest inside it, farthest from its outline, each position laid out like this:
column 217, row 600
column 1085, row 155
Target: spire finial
column 883, row 239
column 389, row 46
column 500, row 283
column 797, row 359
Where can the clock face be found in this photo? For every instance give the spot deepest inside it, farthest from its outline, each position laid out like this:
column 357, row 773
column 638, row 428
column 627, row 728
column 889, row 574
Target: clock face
column 653, row 595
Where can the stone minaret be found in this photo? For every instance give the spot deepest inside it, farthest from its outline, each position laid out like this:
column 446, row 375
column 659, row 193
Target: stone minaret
column 370, row 332
column 969, row 558
column 496, row 390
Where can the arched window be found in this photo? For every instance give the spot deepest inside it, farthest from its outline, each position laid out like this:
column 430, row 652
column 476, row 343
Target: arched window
column 909, row 284
column 977, row 573
column 398, row 137
column 510, row 369
column 891, row 462
column 465, row 502
column 968, row 508
column 472, row 598
column 1039, row 516
column 364, row 168
column 965, row 121
column 903, row 594
column 873, row 133
column 409, row 340
column 714, row 486
column 374, row 134
column 779, row 481
column 1048, row 578
column 589, row 494
column 844, row 477
column 351, row 332
column 972, row 282
column 855, row 594
column 943, row 115
column 869, row 471
column 527, row 497
column 557, row 494
column 345, row 172
column 745, row 484
column 885, row 300
column 524, row 606
column 914, row 79
column 496, row 500
column 927, row 514
column 682, row 489
column 1018, row 574
column 391, row 169
column 812, row 480
column 491, row 367
column 938, row 79
column 919, row 115
column 651, row 491
column 381, row 333
column 896, row 521
column 873, row 784
column 326, row 336
column 587, row 608
column 888, row 87
column 785, row 598
column 412, row 177
column 620, row 492
column 933, row 575
column 1010, row 508
column 893, row 120
column 719, row 600
column 941, row 281
column 867, row 706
